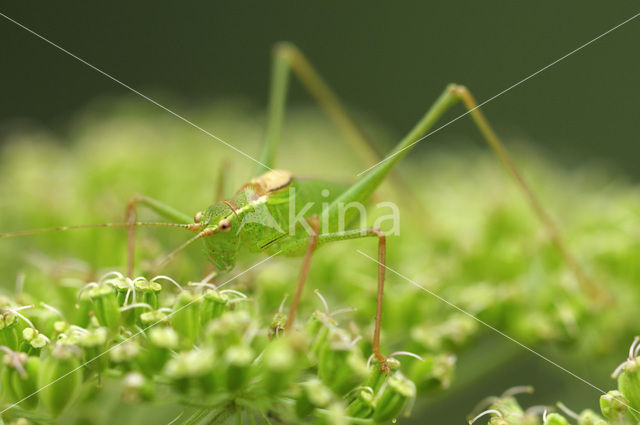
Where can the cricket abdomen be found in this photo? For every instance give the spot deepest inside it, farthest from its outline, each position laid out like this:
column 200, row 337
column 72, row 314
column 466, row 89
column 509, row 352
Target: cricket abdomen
column 289, row 203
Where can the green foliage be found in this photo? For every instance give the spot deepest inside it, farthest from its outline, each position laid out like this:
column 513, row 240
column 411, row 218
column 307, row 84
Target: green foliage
column 472, row 240
column 617, row 407
column 201, row 347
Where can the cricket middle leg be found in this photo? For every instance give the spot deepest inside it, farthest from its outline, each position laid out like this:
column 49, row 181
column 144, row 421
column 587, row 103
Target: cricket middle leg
column 294, row 244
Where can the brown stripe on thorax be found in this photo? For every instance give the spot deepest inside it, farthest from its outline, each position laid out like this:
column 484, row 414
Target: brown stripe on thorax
column 270, row 182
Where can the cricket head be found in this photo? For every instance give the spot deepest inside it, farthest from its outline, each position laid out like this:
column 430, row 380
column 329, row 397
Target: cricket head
column 221, row 241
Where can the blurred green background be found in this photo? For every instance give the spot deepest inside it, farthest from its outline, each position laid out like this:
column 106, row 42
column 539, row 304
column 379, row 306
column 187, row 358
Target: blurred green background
column 386, row 60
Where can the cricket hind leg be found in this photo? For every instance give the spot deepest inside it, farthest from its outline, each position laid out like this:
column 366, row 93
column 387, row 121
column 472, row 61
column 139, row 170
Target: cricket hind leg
column 287, row 59
column 315, row 240
column 473, row 109
column 131, row 217
column 223, row 183
column 374, row 175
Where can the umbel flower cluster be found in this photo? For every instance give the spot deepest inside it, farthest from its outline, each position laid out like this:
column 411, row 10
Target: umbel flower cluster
column 202, row 345
column 473, row 243
column 617, row 407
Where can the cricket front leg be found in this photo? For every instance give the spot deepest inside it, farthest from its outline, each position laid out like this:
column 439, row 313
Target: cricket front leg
column 131, row 217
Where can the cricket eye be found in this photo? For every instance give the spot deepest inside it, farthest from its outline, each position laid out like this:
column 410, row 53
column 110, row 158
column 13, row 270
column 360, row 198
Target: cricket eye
column 198, row 217
column 224, row 225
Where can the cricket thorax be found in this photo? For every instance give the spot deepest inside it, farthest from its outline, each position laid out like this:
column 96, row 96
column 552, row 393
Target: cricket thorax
column 244, row 219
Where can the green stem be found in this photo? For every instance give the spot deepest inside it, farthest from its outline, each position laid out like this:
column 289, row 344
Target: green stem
column 349, row 419
column 221, row 415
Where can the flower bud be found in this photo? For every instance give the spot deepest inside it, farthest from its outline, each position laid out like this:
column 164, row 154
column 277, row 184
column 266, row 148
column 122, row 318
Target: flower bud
column 162, row 340
column 378, row 375
column 123, row 287
column 28, row 334
column 25, row 384
column 277, row 326
column 238, row 360
column 340, row 366
column 94, row 344
column 147, row 292
column 192, row 370
column 165, row 338
column 33, row 340
column 555, row 419
column 131, row 313
column 84, row 307
column 456, row 331
column 335, row 414
column 363, row 404
column 280, row 363
column 124, row 353
column 318, row 331
column 228, row 329
column 44, row 318
column 59, row 379
column 589, row 417
column 71, row 338
column 214, row 303
column 393, row 397
column 106, row 307
column 7, row 394
column 60, row 326
column 313, row 394
column 508, row 406
column 629, row 382
column 137, row 388
column 186, row 317
column 615, row 407
column 14, row 369
column 434, row 373
column 149, row 318
column 8, row 330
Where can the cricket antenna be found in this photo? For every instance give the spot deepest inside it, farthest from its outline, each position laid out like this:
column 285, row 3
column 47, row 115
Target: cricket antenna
column 170, row 256
column 93, row 226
